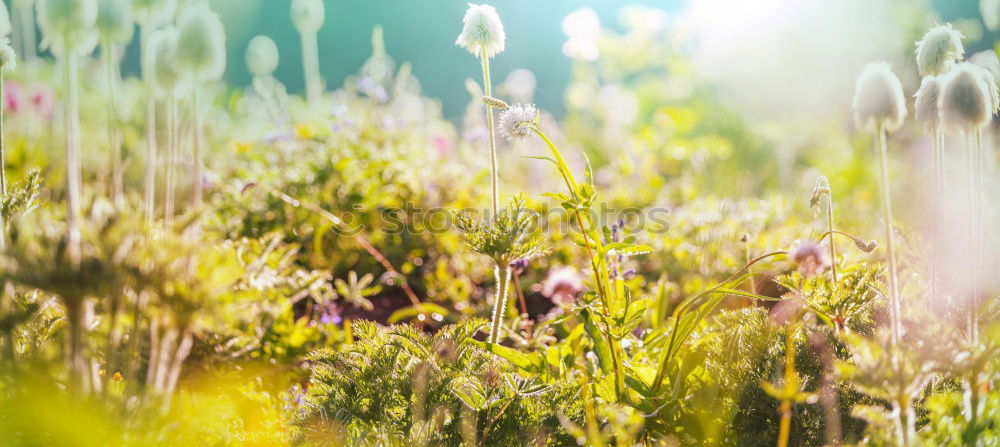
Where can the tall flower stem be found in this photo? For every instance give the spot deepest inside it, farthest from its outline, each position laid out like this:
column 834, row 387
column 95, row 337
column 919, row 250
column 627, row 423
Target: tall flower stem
column 72, row 123
column 310, row 64
column 890, row 238
column 494, row 173
column 146, row 30
column 114, row 138
column 27, row 30
column 938, row 150
column 171, row 159
column 785, row 426
column 976, row 175
column 829, row 221
column 198, row 137
column 500, row 304
column 3, row 175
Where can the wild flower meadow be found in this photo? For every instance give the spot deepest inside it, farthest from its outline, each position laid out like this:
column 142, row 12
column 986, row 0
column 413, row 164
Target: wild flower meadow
column 718, row 223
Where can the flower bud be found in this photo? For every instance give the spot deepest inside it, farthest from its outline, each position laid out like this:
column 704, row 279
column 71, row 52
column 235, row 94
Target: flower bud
column 925, row 108
column 154, row 12
column 308, row 15
column 201, row 46
column 163, row 47
column 878, row 99
column 516, row 121
column 262, row 56
column 966, row 102
column 482, row 31
column 114, row 21
column 495, row 103
column 940, row 48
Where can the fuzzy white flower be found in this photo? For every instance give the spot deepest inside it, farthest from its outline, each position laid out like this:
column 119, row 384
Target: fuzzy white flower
column 990, row 10
column 163, row 47
column 262, row 56
column 966, row 103
column 940, row 48
column 201, row 46
column 8, row 58
column 308, row 15
column 987, row 60
column 482, row 31
column 114, row 20
column 925, row 108
column 69, row 19
column 878, row 99
column 516, row 121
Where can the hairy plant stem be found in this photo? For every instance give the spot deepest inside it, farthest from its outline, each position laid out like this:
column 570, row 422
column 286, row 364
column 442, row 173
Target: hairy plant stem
column 524, row 306
column 72, row 123
column 145, row 30
column 494, row 172
column 683, row 307
column 310, row 65
column 500, row 303
column 978, row 236
column 3, row 174
column 895, row 309
column 171, row 160
column 198, row 133
column 938, row 161
column 829, row 221
column 114, row 137
column 598, row 266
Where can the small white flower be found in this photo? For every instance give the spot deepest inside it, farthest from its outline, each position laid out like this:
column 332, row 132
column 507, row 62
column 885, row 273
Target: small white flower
column 482, row 31
column 516, row 121
column 940, row 48
column 878, row 99
column 966, row 103
column 925, row 108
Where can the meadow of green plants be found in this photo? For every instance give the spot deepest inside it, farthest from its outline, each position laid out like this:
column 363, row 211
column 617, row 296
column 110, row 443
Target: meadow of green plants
column 189, row 262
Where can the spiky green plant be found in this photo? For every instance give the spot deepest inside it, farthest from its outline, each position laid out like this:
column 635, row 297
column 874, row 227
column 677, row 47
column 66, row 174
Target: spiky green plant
column 8, row 63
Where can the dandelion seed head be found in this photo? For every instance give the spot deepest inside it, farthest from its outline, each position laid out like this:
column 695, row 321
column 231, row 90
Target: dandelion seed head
column 482, row 31
column 154, row 12
column 262, row 56
column 163, row 47
column 925, row 108
column 516, row 121
column 939, row 49
column 8, row 58
column 966, row 103
column 66, row 19
column 201, row 45
column 878, row 99
column 114, row 21
column 308, row 15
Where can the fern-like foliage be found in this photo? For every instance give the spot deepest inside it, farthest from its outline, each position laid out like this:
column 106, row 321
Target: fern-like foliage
column 505, row 237
column 399, row 386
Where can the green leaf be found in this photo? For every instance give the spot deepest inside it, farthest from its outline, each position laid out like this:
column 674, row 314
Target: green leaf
column 413, row 311
column 526, row 362
column 626, row 249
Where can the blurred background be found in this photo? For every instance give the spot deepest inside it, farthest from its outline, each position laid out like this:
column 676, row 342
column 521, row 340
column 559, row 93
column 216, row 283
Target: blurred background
column 833, row 39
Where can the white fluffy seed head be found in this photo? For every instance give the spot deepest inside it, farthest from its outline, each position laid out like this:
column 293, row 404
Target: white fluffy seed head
column 262, row 56
column 8, row 58
column 878, row 99
column 66, row 19
column 966, row 103
column 201, row 45
column 308, row 15
column 163, row 47
column 925, row 108
column 987, row 60
column 154, row 12
column 482, row 31
column 516, row 121
column 940, row 48
column 990, row 10
column 114, row 21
